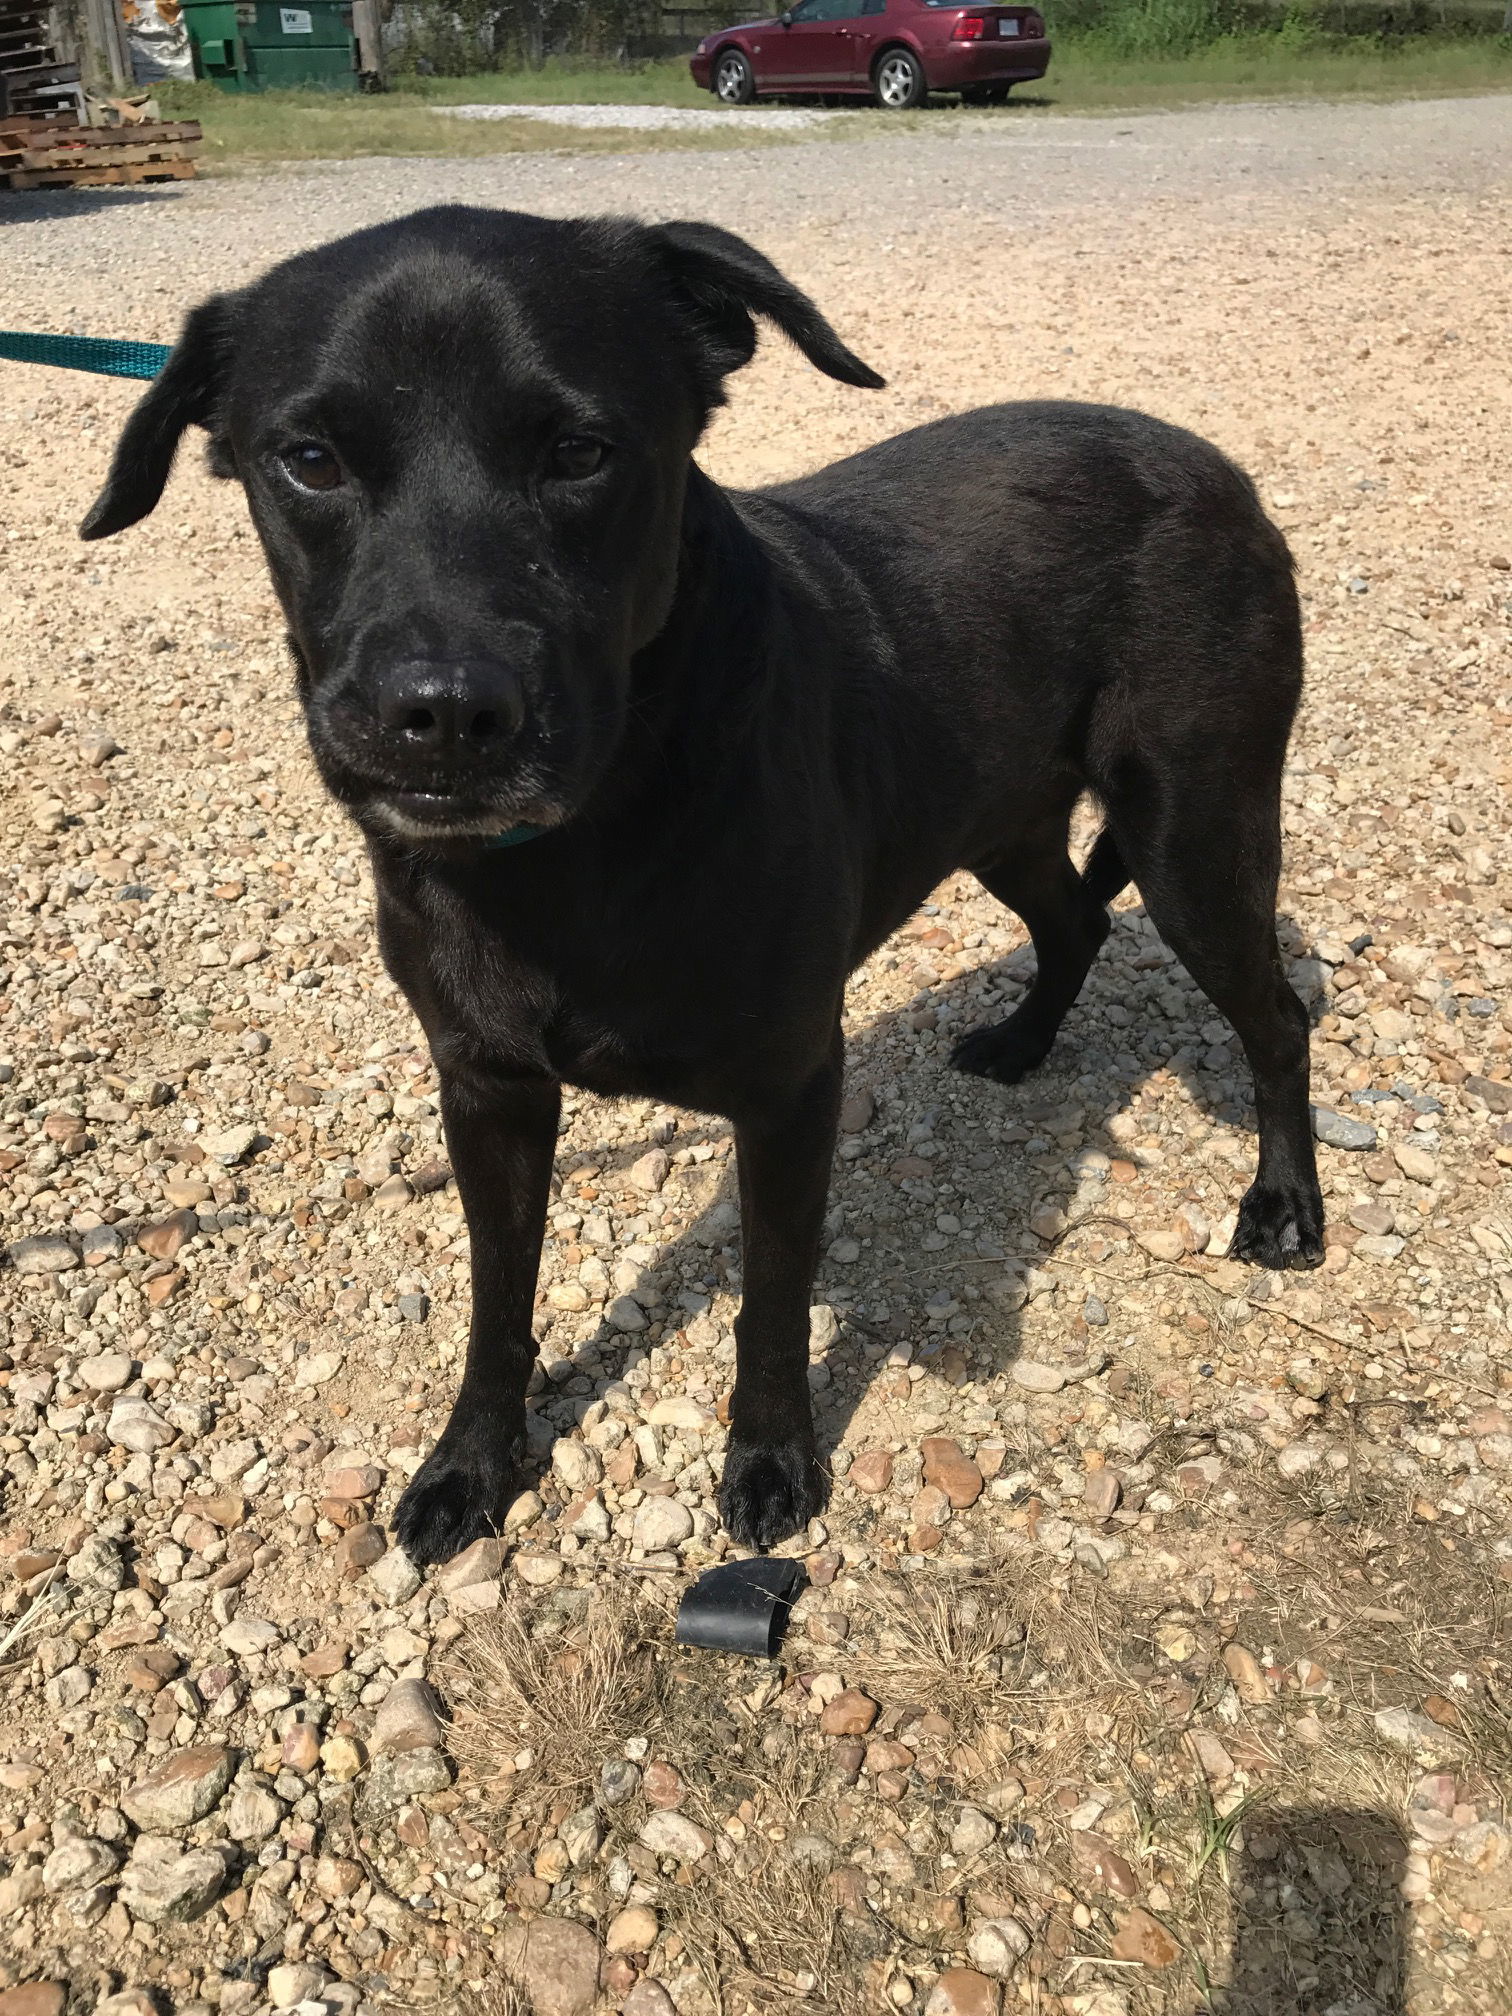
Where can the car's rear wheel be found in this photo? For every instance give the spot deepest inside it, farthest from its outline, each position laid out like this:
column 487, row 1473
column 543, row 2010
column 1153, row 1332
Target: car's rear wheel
column 734, row 79
column 898, row 82
column 985, row 94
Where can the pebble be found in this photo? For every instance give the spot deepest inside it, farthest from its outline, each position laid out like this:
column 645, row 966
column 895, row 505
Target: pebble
column 661, row 1524
column 163, row 1883
column 408, row 1719
column 1339, row 1130
column 556, row 1962
column 962, row 1991
column 997, row 1945
column 180, row 1790
column 675, row 1835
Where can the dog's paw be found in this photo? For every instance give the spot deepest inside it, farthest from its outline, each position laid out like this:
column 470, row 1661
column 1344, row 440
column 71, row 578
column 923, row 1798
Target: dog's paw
column 458, row 1495
column 770, row 1492
column 1006, row 1051
column 1280, row 1227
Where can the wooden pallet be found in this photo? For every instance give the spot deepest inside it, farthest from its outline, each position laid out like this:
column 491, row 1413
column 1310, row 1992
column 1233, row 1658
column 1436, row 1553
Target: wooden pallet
column 98, row 178
column 51, row 154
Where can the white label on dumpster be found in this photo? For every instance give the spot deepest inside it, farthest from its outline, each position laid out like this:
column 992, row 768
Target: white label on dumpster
column 295, row 21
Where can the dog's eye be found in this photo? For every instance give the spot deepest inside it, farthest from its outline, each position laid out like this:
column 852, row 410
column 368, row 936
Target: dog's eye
column 576, row 456
column 313, row 467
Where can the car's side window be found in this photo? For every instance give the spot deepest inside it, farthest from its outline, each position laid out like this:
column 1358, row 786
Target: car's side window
column 829, row 10
column 873, row 6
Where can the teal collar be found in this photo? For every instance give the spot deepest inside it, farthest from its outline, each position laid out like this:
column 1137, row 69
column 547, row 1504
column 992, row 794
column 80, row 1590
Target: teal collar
column 512, row 836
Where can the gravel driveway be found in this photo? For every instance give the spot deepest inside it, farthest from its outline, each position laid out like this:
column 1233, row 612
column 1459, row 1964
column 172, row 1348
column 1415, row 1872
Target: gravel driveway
column 1170, row 1533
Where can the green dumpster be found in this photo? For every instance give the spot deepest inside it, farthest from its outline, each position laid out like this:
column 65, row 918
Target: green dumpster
column 261, row 45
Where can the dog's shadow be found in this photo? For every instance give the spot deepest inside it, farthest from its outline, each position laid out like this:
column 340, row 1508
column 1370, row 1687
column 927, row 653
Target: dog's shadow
column 968, row 1156
column 1320, row 1920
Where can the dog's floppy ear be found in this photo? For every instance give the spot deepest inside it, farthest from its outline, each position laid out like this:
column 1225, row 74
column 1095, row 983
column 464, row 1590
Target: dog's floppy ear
column 184, row 393
column 723, row 282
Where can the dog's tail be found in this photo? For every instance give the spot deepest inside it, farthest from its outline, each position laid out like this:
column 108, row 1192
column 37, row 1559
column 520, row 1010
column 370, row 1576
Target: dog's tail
column 1105, row 875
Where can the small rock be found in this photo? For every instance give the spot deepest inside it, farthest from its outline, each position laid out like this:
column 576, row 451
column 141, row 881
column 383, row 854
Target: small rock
column 997, row 1945
column 164, row 1885
column 1101, row 1493
column 675, row 1835
column 407, row 1719
column 46, row 1253
column 293, row 1983
column 181, row 1790
column 34, row 1998
column 858, row 1111
column 632, row 1931
column 1489, row 1093
column 1162, row 1244
column 78, row 1864
column 680, row 1412
column 393, row 1781
column 660, row 1524
column 481, row 1562
column 557, row 1964
column 107, row 1372
column 164, row 1240
column 1047, row 1221
column 650, row 1172
column 648, row 1998
column 253, row 1812
column 247, row 1637
column 619, row 1780
column 872, row 1472
column 973, row 1833
column 663, row 1786
column 300, row 1749
column 946, row 1466
column 1143, row 1938
column 231, row 1146
column 1035, row 1377
column 395, row 1577
column 1243, row 1668
column 576, row 1467
column 962, row 1991
column 359, row 1547
column 1337, row 1130
column 1408, row 1731
column 1414, row 1162
column 342, row 1757
column 850, row 1713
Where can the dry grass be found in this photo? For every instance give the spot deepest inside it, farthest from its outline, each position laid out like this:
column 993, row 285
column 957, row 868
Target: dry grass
column 537, row 1683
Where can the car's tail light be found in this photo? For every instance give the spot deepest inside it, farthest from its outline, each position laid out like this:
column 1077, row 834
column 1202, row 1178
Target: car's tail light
column 1034, row 27
column 970, row 28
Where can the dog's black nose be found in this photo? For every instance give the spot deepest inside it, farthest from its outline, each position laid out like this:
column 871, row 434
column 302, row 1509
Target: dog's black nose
column 466, row 706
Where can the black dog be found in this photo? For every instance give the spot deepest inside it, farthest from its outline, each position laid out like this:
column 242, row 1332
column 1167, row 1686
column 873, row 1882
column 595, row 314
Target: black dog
column 590, row 710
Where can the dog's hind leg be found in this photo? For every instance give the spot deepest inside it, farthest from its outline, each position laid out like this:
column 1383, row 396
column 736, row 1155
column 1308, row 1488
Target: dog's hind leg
column 1207, row 857
column 1067, row 920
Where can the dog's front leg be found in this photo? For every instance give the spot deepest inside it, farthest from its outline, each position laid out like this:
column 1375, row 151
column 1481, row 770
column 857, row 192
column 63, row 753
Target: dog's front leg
column 773, row 1481
column 501, row 1134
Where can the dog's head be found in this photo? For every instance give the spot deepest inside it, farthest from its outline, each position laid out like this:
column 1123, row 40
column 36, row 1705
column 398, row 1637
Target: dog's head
column 464, row 439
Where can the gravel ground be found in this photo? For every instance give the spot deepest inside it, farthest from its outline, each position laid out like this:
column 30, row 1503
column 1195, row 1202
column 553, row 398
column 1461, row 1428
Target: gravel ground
column 656, row 118
column 1198, row 1674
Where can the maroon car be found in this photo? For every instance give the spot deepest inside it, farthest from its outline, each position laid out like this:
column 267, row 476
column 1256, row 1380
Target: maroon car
column 894, row 51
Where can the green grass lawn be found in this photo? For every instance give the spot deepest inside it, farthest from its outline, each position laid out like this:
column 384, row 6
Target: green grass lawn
column 1086, row 75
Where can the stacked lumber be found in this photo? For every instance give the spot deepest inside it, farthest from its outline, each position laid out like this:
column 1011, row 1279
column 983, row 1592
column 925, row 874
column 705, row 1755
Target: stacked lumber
column 61, row 154
column 32, row 80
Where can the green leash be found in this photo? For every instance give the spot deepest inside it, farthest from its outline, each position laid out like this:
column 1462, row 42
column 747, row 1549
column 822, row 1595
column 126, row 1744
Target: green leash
column 122, row 358
column 116, row 357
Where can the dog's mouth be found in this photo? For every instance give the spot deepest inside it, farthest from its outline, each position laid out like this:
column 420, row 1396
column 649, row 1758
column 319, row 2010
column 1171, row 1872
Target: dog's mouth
column 448, row 815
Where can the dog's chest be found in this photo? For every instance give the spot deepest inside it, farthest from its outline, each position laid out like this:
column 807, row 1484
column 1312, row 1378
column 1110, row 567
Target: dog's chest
column 585, row 1007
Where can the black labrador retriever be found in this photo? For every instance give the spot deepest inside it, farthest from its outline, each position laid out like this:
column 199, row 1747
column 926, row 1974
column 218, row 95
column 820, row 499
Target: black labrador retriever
column 646, row 767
